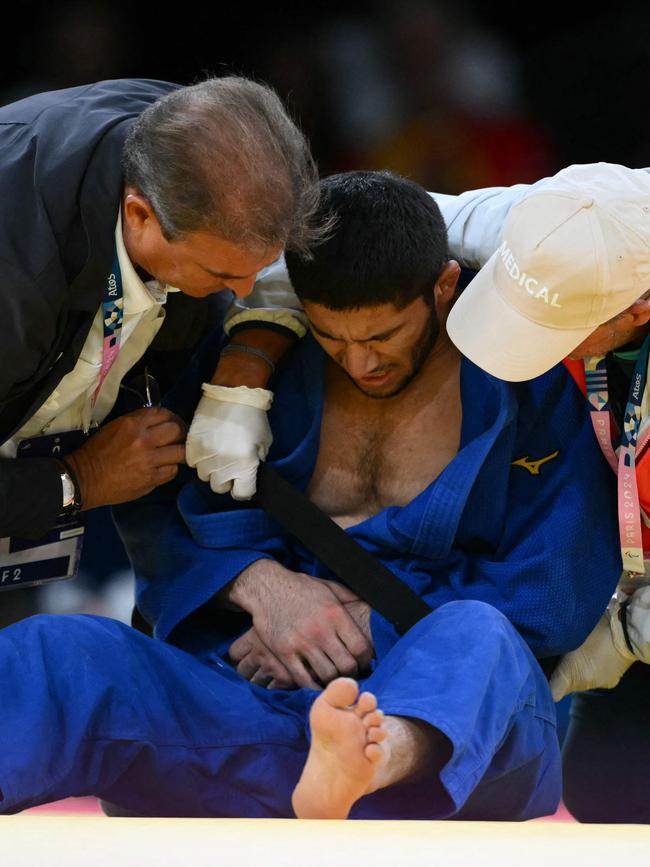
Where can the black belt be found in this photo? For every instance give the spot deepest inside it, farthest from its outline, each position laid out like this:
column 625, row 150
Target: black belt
column 337, row 550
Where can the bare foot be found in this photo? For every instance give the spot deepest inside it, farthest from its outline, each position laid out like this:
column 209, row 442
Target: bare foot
column 346, row 752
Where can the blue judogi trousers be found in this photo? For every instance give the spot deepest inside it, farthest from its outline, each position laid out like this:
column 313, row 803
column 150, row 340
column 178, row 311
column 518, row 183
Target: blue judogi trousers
column 92, row 707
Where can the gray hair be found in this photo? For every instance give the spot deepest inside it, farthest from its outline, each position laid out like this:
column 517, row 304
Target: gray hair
column 224, row 157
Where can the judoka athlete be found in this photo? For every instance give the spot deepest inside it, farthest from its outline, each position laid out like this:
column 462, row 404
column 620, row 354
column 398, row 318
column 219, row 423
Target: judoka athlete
column 489, row 499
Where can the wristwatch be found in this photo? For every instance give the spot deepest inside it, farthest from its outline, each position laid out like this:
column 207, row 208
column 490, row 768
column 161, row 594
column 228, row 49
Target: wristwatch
column 70, row 494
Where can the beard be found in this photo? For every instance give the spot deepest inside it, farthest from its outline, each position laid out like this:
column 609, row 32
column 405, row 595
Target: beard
column 419, row 354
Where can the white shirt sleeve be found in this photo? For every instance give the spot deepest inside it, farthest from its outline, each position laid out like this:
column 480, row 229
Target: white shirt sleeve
column 475, row 220
column 474, row 223
column 272, row 300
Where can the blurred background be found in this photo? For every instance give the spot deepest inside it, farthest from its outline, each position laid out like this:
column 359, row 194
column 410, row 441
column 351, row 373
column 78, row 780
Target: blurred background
column 457, row 95
column 454, row 96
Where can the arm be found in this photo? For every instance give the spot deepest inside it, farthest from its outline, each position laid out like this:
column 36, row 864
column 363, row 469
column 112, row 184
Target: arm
column 230, row 432
column 235, row 558
column 269, row 319
column 149, row 446
column 475, row 220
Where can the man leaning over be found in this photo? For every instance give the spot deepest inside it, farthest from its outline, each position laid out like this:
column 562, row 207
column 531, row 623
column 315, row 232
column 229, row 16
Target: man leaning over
column 115, row 194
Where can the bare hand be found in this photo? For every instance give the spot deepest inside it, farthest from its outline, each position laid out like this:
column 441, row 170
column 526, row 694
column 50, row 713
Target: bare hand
column 358, row 610
column 301, row 621
column 129, row 457
column 256, row 663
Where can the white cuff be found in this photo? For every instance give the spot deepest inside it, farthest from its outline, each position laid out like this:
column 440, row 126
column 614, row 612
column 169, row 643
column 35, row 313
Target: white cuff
column 260, row 398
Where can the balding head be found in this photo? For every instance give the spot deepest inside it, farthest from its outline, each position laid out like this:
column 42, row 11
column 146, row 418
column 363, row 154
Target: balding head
column 223, row 157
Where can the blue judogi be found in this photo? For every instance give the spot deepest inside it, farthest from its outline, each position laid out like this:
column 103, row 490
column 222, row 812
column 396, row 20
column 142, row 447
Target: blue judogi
column 515, row 564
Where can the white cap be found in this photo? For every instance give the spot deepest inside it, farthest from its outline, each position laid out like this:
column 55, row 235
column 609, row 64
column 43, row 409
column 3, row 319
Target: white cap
column 574, row 253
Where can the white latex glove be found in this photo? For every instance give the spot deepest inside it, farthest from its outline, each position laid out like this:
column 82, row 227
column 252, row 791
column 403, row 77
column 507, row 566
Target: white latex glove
column 599, row 662
column 228, row 437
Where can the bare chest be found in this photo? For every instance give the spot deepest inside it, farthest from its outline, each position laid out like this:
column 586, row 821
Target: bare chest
column 371, row 457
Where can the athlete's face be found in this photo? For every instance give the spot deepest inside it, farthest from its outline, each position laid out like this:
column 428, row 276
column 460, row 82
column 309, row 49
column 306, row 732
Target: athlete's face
column 380, row 348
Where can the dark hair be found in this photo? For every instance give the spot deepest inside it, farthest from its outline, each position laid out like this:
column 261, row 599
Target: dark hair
column 223, row 156
column 388, row 244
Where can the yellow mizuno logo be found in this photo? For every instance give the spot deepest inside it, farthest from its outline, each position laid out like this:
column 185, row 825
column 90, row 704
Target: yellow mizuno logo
column 533, row 466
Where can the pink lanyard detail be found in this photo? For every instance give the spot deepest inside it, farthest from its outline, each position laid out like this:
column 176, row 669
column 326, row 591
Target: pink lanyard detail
column 629, row 508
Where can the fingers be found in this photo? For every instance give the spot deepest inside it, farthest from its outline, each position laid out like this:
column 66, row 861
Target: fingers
column 355, row 642
column 322, row 666
column 257, row 663
column 168, row 455
column 248, row 666
column 158, row 415
column 264, row 668
column 300, row 674
column 166, row 433
column 242, row 646
column 238, row 477
column 338, row 659
column 244, row 484
column 261, row 678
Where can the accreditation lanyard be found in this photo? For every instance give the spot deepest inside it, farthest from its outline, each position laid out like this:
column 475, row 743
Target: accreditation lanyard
column 112, row 315
column 629, row 508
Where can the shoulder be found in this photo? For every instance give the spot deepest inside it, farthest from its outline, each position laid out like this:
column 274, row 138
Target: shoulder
column 123, row 95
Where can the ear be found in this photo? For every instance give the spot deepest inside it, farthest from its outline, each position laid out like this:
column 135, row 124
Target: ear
column 445, row 287
column 136, row 210
column 640, row 311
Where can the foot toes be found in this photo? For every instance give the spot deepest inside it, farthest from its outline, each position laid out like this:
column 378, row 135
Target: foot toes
column 374, row 718
column 366, row 703
column 341, row 692
column 373, row 752
column 376, row 735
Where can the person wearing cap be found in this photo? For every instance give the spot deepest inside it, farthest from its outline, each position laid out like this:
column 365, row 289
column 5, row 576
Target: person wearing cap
column 565, row 275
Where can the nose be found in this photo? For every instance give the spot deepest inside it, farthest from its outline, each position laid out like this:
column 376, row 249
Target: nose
column 244, row 286
column 359, row 361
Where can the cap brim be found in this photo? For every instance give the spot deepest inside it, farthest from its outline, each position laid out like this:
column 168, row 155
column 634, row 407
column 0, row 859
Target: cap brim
column 499, row 339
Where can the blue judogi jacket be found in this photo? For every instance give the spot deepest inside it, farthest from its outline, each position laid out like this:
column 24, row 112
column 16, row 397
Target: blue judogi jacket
column 538, row 542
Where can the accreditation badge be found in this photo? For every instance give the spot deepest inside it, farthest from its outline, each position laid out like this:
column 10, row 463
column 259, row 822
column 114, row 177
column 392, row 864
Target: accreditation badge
column 55, row 556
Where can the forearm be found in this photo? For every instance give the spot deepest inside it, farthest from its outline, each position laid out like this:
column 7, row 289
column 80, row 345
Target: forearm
column 259, row 585
column 475, row 220
column 246, row 368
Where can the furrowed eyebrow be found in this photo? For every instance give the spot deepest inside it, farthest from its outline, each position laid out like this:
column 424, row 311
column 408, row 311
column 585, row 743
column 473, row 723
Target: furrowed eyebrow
column 375, row 337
